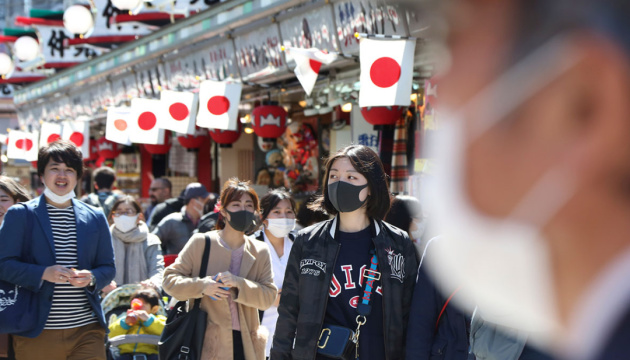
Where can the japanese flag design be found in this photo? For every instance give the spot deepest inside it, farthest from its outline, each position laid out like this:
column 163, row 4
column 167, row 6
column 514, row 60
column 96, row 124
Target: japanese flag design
column 308, row 62
column 386, row 72
column 22, row 145
column 143, row 128
column 48, row 133
column 117, row 127
column 218, row 105
column 178, row 111
column 78, row 133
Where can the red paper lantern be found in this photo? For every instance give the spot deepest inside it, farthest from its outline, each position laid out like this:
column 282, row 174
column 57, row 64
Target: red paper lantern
column 382, row 115
column 160, row 149
column 93, row 151
column 225, row 138
column 269, row 121
column 107, row 149
column 193, row 141
column 34, row 164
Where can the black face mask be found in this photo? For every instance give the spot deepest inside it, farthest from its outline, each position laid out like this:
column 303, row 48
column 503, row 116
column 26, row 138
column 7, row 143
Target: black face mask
column 345, row 196
column 241, row 220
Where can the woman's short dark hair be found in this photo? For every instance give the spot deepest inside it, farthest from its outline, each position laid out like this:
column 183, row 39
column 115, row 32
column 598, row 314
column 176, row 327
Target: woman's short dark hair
column 14, row 189
column 61, row 151
column 126, row 199
column 232, row 190
column 404, row 208
column 271, row 200
column 367, row 163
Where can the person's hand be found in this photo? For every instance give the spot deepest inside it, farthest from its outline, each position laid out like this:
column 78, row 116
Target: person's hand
column 149, row 283
column 277, row 302
column 109, row 288
column 58, row 274
column 213, row 289
column 142, row 315
column 81, row 278
column 228, row 279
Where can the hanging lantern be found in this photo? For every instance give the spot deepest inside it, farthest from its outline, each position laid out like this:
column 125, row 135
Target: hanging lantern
column 6, row 64
column 126, row 4
column 107, row 149
column 193, row 141
column 93, row 151
column 269, row 121
column 160, row 149
column 225, row 138
column 382, row 115
column 34, row 164
column 78, row 19
column 26, row 48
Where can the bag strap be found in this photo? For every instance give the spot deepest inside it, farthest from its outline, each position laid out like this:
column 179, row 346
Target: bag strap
column 26, row 245
column 204, row 264
column 444, row 308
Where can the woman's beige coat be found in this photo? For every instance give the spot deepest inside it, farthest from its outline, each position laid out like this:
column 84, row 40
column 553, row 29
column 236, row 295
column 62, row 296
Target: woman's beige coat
column 255, row 290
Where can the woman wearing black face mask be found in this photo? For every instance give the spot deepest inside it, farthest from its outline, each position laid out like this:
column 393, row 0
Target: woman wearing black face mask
column 240, row 279
column 352, row 272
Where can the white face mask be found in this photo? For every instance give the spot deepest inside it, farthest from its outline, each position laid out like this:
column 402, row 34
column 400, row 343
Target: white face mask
column 126, row 223
column 58, row 199
column 420, row 227
column 500, row 265
column 280, row 227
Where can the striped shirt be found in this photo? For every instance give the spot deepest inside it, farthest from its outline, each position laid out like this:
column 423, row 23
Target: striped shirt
column 70, row 305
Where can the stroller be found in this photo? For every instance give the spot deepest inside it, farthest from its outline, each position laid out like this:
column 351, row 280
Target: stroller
column 116, row 304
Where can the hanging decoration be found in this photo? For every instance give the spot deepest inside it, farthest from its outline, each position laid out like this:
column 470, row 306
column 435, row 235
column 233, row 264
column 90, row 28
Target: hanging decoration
column 143, row 128
column 308, row 63
column 178, row 111
column 79, row 20
column 107, row 149
column 225, row 138
column 218, row 105
column 22, row 145
column 78, row 132
column 117, row 127
column 48, row 133
column 382, row 115
column 386, row 71
column 269, row 121
column 162, row 148
column 193, row 141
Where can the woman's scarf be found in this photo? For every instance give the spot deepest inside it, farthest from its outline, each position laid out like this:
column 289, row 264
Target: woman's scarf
column 131, row 264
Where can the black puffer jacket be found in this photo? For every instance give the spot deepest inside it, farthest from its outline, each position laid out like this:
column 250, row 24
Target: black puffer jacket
column 307, row 281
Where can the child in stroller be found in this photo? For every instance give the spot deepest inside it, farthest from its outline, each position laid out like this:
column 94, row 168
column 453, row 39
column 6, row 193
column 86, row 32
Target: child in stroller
column 134, row 329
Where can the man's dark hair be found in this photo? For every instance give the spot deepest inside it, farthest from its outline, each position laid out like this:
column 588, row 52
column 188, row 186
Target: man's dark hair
column 167, row 183
column 147, row 295
column 367, row 163
column 104, row 177
column 61, row 151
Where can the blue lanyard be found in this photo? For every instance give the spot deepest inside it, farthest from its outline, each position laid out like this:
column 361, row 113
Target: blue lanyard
column 369, row 277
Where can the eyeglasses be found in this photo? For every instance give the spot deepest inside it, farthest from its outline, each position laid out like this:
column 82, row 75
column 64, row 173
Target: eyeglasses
column 120, row 213
column 156, row 188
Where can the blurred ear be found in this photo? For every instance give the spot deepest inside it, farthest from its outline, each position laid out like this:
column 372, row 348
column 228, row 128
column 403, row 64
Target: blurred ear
column 155, row 309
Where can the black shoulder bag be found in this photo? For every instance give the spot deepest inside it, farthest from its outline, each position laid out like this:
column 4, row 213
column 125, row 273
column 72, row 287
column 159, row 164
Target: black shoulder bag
column 339, row 342
column 182, row 338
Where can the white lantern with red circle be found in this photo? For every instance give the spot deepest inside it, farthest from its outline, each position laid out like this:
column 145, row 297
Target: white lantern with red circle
column 143, row 128
column 78, row 133
column 269, row 121
column 48, row 133
column 218, row 105
column 178, row 111
column 386, row 72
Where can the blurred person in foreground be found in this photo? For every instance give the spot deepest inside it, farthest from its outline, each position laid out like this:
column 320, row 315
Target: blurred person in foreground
column 11, row 193
column 72, row 259
column 532, row 190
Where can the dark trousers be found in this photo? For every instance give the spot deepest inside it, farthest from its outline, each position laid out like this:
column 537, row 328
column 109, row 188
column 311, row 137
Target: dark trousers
column 239, row 353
